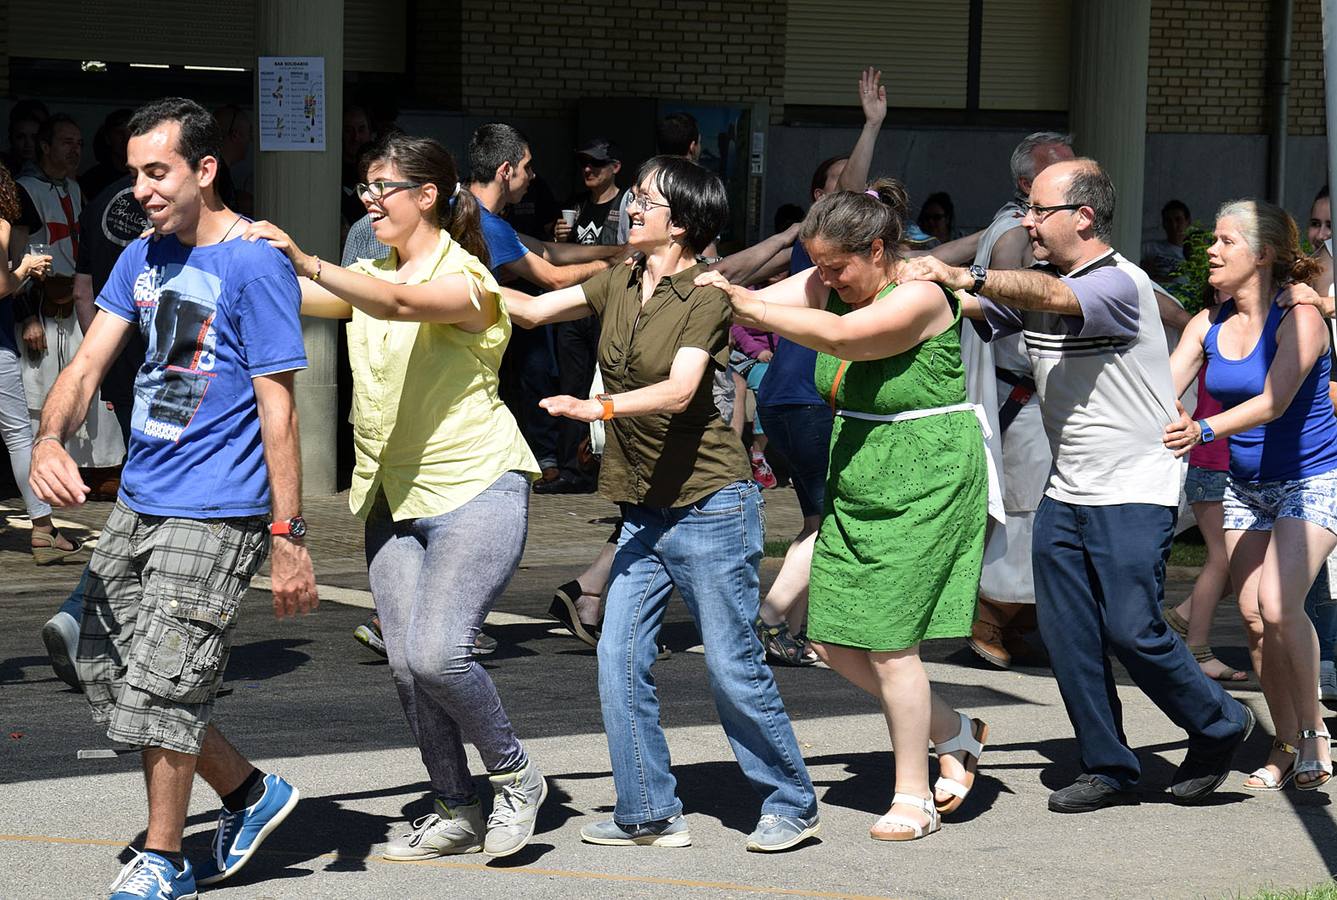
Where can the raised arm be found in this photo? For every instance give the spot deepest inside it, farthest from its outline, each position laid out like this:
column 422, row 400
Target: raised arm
column 873, row 99
column 1301, row 339
column 743, row 266
column 449, row 299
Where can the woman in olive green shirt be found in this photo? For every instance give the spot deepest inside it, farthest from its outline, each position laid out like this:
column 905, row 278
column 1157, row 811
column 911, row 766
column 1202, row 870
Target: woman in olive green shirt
column 691, row 514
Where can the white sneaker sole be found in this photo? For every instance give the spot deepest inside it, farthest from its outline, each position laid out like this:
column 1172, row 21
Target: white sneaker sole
column 449, row 851
column 678, row 839
column 255, row 844
column 497, row 854
column 792, row 842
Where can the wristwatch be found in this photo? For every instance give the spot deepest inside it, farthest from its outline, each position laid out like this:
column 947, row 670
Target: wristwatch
column 1207, row 434
column 607, row 401
column 294, row 528
column 979, row 273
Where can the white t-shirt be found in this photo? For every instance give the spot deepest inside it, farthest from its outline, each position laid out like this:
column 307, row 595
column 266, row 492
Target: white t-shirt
column 1106, row 393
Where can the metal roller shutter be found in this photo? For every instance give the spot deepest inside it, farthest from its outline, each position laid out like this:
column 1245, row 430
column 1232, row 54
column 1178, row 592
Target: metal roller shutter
column 1024, row 54
column 920, row 45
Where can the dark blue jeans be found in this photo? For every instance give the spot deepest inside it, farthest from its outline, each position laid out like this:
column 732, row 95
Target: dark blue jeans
column 1099, row 584
column 801, row 434
column 1322, row 611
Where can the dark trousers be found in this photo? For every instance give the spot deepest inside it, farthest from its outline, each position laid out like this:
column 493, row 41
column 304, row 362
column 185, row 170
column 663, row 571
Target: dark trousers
column 577, row 345
column 1099, row 583
column 526, row 377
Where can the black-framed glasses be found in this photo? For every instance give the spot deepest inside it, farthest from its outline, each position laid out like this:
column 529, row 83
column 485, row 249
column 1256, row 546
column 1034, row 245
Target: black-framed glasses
column 378, row 189
column 1040, row 213
column 644, row 202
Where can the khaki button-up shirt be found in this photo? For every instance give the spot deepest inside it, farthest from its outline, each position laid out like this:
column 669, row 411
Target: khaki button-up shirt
column 663, row 460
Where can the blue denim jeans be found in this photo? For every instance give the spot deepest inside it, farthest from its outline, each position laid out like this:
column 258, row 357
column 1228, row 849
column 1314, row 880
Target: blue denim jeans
column 1322, row 611
column 434, row 579
column 710, row 551
column 801, row 434
column 1099, row 584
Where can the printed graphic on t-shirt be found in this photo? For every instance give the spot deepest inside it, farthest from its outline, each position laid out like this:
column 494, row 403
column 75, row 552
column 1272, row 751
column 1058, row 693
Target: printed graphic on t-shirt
column 176, row 306
column 123, row 220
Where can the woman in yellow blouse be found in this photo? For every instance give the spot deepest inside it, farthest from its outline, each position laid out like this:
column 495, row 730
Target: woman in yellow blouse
column 441, row 478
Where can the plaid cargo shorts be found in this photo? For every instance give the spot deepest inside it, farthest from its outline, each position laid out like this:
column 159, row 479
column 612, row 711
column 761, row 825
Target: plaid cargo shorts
column 160, row 607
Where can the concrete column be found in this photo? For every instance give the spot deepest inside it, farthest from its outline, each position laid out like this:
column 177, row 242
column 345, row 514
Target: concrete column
column 1330, row 84
column 299, row 191
column 1108, row 102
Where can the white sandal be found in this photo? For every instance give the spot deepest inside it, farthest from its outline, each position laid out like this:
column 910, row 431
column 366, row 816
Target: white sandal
column 970, row 739
column 1312, row 766
column 882, row 830
column 1267, row 782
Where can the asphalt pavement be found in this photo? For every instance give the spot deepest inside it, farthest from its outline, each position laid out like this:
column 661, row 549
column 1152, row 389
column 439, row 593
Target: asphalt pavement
column 306, row 701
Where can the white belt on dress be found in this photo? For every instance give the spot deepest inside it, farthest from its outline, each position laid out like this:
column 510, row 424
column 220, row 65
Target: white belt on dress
column 995, row 485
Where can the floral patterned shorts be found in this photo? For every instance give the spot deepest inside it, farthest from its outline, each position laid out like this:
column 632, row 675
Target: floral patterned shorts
column 1256, row 507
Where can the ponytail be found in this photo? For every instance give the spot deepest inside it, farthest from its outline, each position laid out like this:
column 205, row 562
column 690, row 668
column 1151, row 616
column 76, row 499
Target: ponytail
column 461, row 215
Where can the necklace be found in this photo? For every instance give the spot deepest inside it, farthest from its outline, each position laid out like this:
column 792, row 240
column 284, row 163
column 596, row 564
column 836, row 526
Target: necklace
column 228, row 233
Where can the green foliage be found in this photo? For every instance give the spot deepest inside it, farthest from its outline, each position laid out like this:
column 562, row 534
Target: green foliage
column 1191, row 275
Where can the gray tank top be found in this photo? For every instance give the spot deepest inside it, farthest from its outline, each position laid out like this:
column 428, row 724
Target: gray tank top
column 1008, row 352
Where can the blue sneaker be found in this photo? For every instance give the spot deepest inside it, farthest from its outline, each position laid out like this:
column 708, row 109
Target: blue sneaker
column 150, row 876
column 240, row 834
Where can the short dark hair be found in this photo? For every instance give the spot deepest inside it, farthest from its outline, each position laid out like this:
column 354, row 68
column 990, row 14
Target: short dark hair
column 676, row 133
column 819, row 176
column 493, row 144
column 695, row 195
column 1091, row 186
column 46, row 131
column 1176, row 206
column 787, row 214
column 28, row 111
column 200, row 135
column 1322, row 193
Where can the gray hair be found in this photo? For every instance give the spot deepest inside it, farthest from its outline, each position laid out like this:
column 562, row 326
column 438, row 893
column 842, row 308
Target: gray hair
column 1265, row 225
column 1023, row 163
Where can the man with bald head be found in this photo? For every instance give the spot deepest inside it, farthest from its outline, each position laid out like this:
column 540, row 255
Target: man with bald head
column 1103, row 530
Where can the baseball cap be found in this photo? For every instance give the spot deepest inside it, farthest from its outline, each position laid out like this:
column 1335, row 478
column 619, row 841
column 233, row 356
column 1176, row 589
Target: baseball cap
column 600, row 150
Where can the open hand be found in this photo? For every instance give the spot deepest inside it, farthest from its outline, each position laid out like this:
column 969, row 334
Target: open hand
column 573, row 408
column 275, row 236
column 872, row 95
column 1296, row 294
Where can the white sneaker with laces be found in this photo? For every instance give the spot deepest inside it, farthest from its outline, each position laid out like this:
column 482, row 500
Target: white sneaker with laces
column 446, row 832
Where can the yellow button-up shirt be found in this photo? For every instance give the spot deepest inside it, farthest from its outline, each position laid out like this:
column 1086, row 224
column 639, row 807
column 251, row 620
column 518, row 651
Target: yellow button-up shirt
column 429, row 429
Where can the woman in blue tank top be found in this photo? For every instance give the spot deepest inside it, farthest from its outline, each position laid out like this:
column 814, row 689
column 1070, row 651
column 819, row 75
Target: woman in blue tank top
column 1269, row 368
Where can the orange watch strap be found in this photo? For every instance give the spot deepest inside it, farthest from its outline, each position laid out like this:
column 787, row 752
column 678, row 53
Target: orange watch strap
column 607, row 401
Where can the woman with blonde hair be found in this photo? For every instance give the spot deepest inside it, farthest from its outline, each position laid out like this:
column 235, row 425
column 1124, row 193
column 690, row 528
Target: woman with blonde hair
column 1267, row 363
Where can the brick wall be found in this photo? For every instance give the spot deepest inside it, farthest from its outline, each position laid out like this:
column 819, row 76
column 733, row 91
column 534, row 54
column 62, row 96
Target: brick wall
column 531, row 59
column 1208, row 63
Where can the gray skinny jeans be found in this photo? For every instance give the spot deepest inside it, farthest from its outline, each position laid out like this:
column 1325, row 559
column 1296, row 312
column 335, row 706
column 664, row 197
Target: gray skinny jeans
column 434, row 579
column 16, row 428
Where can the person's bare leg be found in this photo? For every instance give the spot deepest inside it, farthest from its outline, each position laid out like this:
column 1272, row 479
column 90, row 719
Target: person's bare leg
column 907, row 706
column 44, row 525
column 1212, row 584
column 168, row 776
column 220, row 764
column 1295, row 555
column 791, row 584
column 593, row 582
column 1246, row 550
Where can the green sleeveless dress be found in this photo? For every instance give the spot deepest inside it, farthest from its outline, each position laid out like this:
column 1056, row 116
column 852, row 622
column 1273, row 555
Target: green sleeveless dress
column 901, row 544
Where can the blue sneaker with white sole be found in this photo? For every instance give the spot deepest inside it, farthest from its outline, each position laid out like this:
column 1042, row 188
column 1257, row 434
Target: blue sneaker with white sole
column 151, row 877
column 240, row 834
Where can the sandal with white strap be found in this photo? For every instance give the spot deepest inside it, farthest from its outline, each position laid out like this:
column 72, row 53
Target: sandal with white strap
column 1263, row 779
column 891, row 827
column 1323, row 770
column 970, row 740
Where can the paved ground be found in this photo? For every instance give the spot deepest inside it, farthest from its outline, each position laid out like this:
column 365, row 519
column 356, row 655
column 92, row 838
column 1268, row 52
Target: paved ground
column 308, row 702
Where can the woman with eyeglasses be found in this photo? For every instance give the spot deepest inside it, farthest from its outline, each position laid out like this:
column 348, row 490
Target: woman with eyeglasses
column 441, row 478
column 691, row 514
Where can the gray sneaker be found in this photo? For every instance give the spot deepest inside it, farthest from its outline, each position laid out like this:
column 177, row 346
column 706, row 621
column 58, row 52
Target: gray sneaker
column 60, row 634
column 782, row 832
column 664, row 833
column 515, row 808
column 442, row 833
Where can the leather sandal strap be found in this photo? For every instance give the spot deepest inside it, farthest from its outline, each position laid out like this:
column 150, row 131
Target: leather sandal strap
column 1265, row 777
column 950, row 786
column 1202, row 652
column 904, row 822
column 1309, row 733
column 1279, row 744
column 964, row 740
column 924, row 803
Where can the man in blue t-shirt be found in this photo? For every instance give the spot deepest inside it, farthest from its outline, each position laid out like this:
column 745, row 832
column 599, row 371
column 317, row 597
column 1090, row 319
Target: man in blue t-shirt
column 501, row 168
column 213, row 456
